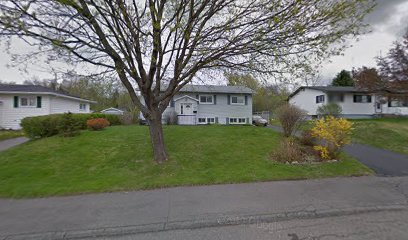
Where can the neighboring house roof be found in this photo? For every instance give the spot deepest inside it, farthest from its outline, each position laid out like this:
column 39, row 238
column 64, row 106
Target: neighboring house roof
column 112, row 109
column 214, row 89
column 37, row 89
column 331, row 89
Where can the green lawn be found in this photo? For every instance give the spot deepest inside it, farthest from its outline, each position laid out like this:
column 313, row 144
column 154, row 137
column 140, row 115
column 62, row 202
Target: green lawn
column 120, row 158
column 387, row 133
column 7, row 134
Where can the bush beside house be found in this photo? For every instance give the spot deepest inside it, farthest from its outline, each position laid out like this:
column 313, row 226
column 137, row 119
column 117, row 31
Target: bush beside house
column 49, row 125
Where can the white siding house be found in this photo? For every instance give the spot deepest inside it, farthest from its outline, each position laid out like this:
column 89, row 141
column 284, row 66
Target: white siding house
column 355, row 103
column 211, row 104
column 20, row 101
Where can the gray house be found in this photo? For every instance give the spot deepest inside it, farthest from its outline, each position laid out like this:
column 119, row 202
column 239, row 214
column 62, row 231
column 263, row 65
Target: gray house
column 210, row 104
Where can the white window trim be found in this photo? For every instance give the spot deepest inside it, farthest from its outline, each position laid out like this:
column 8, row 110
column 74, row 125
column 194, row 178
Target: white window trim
column 243, row 100
column 206, row 95
column 80, row 109
column 28, row 100
column 237, row 123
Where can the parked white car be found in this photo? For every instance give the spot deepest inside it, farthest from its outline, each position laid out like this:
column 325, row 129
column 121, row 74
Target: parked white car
column 259, row 121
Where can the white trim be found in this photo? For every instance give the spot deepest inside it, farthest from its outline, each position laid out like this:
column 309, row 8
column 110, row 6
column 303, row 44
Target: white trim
column 48, row 93
column 237, row 103
column 206, row 95
column 185, row 96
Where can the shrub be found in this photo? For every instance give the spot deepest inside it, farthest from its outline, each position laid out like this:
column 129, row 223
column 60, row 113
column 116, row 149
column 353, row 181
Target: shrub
column 128, row 118
column 333, row 133
column 67, row 126
column 289, row 151
column 307, row 138
column 290, row 118
column 41, row 126
column 49, row 125
column 172, row 118
column 97, row 123
column 330, row 109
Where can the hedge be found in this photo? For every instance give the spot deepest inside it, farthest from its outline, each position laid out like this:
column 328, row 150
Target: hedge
column 49, row 125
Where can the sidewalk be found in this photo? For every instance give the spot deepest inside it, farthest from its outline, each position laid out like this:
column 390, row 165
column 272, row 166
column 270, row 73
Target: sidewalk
column 9, row 143
column 195, row 207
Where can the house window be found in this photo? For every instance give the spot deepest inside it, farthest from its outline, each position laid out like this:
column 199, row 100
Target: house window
column 336, row 97
column 237, row 120
column 82, row 106
column 201, row 120
column 206, row 120
column 398, row 103
column 320, row 99
column 206, row 99
column 237, row 100
column 28, row 101
column 362, row 98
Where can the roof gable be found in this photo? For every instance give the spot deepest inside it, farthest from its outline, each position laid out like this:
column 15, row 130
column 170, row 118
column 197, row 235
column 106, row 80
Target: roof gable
column 213, row 89
column 19, row 88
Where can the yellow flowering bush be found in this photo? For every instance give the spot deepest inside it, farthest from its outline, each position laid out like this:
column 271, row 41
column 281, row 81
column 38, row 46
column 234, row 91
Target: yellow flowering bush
column 332, row 133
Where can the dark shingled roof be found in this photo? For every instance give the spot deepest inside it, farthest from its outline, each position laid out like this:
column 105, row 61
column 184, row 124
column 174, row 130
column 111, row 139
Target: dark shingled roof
column 17, row 88
column 214, row 89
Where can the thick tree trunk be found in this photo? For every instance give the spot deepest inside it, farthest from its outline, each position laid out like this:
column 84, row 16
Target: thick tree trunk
column 157, row 137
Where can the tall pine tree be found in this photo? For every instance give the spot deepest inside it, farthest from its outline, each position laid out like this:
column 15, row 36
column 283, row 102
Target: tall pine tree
column 343, row 79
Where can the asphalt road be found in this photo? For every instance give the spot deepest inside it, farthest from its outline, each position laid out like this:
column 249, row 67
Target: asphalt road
column 121, row 213
column 367, row 226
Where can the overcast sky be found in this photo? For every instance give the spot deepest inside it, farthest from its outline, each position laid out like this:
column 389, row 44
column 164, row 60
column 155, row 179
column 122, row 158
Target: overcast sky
column 388, row 22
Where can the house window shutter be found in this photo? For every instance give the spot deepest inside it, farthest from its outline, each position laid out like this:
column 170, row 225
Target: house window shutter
column 389, row 102
column 246, row 100
column 317, row 99
column 228, row 100
column 354, row 98
column 227, row 121
column 247, row 121
column 172, row 103
column 16, row 101
column 39, row 101
column 198, row 98
column 369, row 98
column 216, row 119
column 215, row 99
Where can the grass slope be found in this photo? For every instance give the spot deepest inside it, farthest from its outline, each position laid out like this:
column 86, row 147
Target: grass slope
column 120, row 158
column 387, row 133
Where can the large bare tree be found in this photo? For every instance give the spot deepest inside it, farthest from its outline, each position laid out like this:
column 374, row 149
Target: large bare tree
column 158, row 46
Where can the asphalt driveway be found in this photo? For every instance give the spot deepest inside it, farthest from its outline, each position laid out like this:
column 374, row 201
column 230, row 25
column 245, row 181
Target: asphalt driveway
column 383, row 162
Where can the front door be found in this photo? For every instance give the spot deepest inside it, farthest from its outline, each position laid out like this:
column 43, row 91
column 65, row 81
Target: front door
column 186, row 109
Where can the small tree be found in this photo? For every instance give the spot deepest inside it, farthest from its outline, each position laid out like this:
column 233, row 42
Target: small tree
column 68, row 127
column 330, row 109
column 343, row 78
column 291, row 118
column 333, row 133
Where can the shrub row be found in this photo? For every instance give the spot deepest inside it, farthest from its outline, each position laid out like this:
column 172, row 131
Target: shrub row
column 49, row 125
